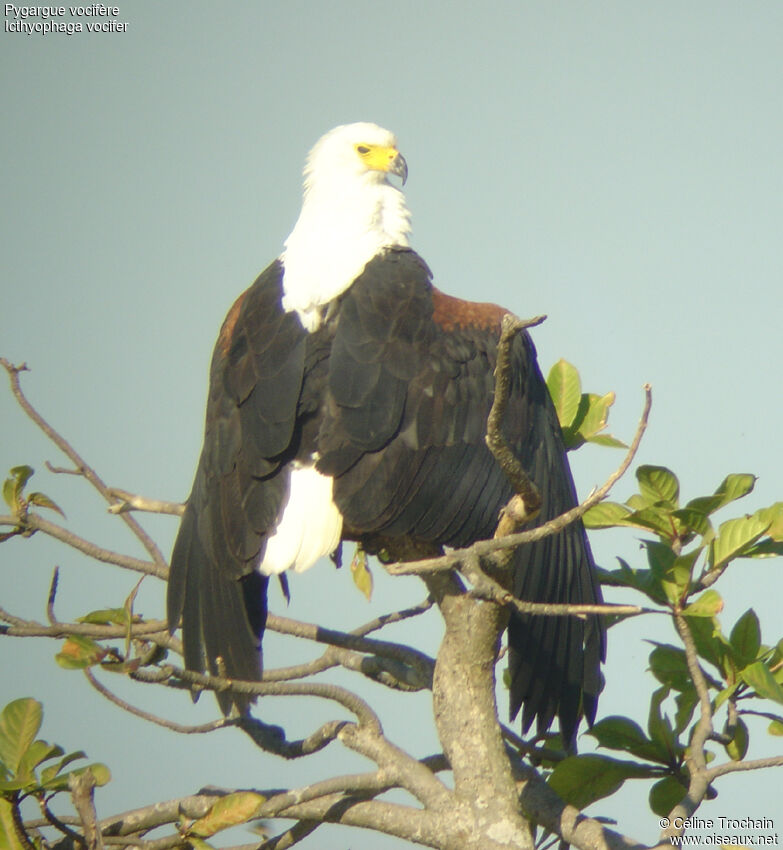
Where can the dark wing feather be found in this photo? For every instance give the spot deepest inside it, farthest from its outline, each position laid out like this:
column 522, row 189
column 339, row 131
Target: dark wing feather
column 240, row 485
column 554, row 662
column 410, row 388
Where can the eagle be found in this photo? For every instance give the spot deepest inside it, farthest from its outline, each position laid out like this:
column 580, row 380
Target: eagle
column 348, row 400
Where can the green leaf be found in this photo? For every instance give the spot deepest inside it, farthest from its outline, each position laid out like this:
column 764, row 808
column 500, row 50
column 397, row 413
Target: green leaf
column 9, row 840
column 228, row 811
column 660, row 557
column 725, row 694
column 100, row 772
column 79, row 652
column 745, row 637
column 657, row 519
column 669, row 666
column 607, row 440
column 710, row 643
column 733, row 487
column 581, row 780
column 658, row 484
column 759, row 677
column 19, row 724
column 41, row 500
column 48, row 773
column 13, row 487
column 735, row 536
column 566, row 391
column 665, row 795
column 597, row 414
column 660, row 728
column 622, row 733
column 106, row 617
column 676, row 580
column 774, row 513
column 39, row 751
column 644, row 581
column 708, row 604
column 8, row 494
column 737, row 748
column 689, row 520
column 776, row 727
column 764, row 549
column 605, row 515
column 362, row 577
column 686, row 703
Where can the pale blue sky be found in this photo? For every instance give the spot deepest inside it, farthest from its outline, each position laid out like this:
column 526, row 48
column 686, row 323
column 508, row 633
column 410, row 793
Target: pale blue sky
column 614, row 165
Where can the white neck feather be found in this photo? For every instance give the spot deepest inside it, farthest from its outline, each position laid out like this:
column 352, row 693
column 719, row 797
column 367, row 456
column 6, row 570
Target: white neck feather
column 342, row 226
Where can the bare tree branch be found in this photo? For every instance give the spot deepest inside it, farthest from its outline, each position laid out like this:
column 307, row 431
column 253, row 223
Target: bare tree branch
column 485, row 587
column 155, row 630
column 81, row 786
column 79, row 463
column 523, row 486
column 221, row 723
column 132, row 502
column 695, row 757
column 413, row 658
column 289, row 838
column 32, row 522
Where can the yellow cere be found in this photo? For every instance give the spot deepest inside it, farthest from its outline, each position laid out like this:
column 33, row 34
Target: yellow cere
column 377, row 157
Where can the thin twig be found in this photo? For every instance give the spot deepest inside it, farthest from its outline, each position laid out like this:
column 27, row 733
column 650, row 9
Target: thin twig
column 61, row 824
column 404, row 674
column 78, row 462
column 696, row 757
column 35, row 522
column 50, row 615
column 153, row 630
column 485, row 587
column 222, row 723
column 735, row 766
column 419, row 661
column 63, row 470
column 355, row 704
column 133, row 502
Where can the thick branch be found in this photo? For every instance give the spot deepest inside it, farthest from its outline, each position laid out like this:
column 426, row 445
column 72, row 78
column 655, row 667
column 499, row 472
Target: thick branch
column 523, row 486
column 81, row 787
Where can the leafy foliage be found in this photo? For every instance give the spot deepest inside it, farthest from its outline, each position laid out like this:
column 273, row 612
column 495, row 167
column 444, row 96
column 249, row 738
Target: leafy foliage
column 19, row 502
column 22, row 770
column 686, row 555
column 582, row 416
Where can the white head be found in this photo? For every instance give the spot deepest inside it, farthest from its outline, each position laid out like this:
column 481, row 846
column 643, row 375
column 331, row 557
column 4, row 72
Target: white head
column 350, row 212
column 364, row 153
